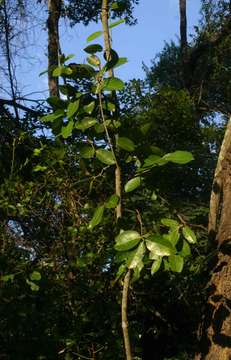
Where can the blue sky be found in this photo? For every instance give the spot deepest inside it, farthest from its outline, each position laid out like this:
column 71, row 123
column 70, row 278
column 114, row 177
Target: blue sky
column 158, row 21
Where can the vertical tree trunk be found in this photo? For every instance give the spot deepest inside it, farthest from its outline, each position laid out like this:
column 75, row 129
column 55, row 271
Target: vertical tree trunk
column 54, row 8
column 183, row 37
column 216, row 337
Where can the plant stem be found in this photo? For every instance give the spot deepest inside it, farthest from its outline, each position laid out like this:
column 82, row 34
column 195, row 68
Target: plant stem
column 124, row 319
column 107, row 45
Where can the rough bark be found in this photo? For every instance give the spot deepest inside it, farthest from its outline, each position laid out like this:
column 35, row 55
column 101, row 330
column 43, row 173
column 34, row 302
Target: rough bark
column 216, row 337
column 54, row 9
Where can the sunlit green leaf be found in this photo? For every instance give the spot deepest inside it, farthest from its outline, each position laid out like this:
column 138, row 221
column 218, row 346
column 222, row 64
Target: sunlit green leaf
column 113, row 83
column 112, row 201
column 176, row 263
column 55, row 115
column 159, row 246
column 72, row 108
column 86, row 123
column 185, row 251
column 189, row 235
column 179, row 157
column 156, row 265
column 138, row 256
column 66, row 131
column 132, row 184
column 94, row 36
column 170, row 223
column 94, row 60
column 105, row 156
column 127, row 240
column 35, row 275
column 116, row 23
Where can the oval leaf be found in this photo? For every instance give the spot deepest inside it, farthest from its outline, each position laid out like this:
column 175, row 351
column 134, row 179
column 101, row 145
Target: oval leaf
column 138, row 256
column 156, row 265
column 189, row 235
column 176, row 263
column 112, row 202
column 159, row 246
column 113, row 83
column 35, row 275
column 127, row 240
column 185, row 251
column 72, row 108
column 105, row 156
column 179, row 157
column 67, row 130
column 86, row 123
column 92, row 49
column 126, row 144
column 94, row 36
column 97, row 217
column 132, row 184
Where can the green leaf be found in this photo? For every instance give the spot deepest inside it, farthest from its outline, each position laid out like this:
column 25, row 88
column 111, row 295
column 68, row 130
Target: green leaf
column 176, row 263
column 127, row 240
column 86, row 123
column 116, row 23
column 112, row 59
column 6, row 278
column 39, row 168
column 113, row 83
column 156, row 265
column 121, row 61
column 94, row 60
column 89, row 107
column 174, row 236
column 92, row 49
column 132, row 184
column 112, row 201
column 126, row 144
column 61, row 71
column 153, row 196
column 66, row 131
column 159, row 246
column 138, row 256
column 33, row 286
column 94, row 35
column 179, row 157
column 55, row 115
column 35, row 275
column 72, row 108
column 170, row 223
column 56, row 102
column 87, row 152
column 105, row 156
column 189, row 235
column 120, row 271
column 185, row 251
column 97, row 217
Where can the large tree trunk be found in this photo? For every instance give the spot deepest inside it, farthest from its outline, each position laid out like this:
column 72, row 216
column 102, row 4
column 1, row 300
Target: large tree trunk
column 54, row 8
column 216, row 338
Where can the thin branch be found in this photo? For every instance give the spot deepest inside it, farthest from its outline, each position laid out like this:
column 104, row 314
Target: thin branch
column 124, row 315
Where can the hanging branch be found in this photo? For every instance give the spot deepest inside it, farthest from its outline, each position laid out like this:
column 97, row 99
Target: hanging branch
column 107, row 45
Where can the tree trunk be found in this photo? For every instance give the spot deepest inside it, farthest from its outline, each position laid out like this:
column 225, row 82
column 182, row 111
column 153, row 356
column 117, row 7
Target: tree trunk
column 216, row 337
column 183, row 39
column 54, row 8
